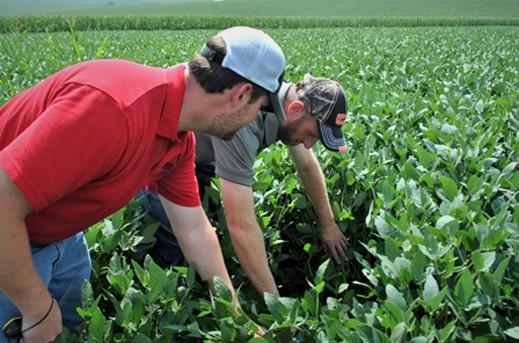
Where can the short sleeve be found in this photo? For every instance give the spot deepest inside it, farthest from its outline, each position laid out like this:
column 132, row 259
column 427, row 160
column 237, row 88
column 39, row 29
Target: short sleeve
column 180, row 185
column 235, row 158
column 78, row 138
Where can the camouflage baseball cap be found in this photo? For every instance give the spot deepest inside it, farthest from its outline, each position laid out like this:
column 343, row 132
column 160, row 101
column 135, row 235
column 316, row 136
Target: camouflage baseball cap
column 326, row 101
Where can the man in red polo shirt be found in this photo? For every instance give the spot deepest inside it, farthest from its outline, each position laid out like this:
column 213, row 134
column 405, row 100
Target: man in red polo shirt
column 77, row 146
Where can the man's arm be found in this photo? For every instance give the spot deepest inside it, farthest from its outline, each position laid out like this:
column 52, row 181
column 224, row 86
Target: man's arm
column 198, row 242
column 246, row 235
column 19, row 280
column 312, row 178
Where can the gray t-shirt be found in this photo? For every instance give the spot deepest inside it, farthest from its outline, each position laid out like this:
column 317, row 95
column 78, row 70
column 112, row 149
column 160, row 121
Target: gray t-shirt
column 234, row 158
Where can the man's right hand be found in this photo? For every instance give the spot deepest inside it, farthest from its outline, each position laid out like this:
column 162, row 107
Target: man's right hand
column 47, row 330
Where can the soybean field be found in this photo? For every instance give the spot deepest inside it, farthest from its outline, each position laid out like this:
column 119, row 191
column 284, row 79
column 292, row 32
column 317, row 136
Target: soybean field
column 428, row 195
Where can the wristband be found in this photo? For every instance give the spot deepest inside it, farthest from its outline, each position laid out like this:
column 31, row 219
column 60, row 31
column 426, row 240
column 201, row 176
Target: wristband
column 42, row 319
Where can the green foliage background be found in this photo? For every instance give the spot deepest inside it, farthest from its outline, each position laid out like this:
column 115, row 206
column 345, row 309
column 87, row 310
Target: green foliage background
column 428, row 196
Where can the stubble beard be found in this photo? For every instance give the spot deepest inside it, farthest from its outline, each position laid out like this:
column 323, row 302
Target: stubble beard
column 223, row 126
column 285, row 135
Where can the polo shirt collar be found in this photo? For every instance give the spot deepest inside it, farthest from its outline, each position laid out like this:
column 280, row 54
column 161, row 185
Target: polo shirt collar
column 168, row 124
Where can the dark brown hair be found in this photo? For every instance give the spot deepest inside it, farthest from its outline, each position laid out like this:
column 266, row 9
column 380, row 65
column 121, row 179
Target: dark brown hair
column 214, row 78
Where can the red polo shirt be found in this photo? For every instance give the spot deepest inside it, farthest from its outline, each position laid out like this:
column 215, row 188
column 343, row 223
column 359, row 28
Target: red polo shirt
column 80, row 144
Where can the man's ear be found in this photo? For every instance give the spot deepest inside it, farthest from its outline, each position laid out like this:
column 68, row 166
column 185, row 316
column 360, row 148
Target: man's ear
column 240, row 93
column 295, row 109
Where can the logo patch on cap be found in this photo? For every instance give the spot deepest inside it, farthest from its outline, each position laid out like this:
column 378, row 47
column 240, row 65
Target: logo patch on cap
column 340, row 119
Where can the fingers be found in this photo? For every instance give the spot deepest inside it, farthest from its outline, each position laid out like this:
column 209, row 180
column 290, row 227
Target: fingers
column 339, row 254
column 334, row 242
column 337, row 248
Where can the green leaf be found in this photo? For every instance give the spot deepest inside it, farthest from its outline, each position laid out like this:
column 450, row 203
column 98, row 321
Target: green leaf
column 91, row 235
column 343, row 287
column 483, row 261
column 391, row 248
column 142, row 276
column 479, row 301
column 157, row 281
column 494, row 238
column 222, row 291
column 276, row 307
column 258, row 340
column 410, row 172
column 513, row 332
column 464, row 288
column 148, row 235
column 449, row 187
column 319, row 287
column 480, row 106
column 431, row 288
column 383, row 228
column 395, row 296
column 418, row 264
column 474, row 184
column 141, row 338
column 395, row 315
column 228, row 332
column 191, row 275
column 123, row 316
column 398, row 332
column 509, row 168
column 514, row 181
column 308, row 302
column 319, row 276
column 118, row 219
column 447, row 223
column 87, row 295
column 489, row 285
column 436, row 301
column 194, row 330
column 447, row 331
column 96, row 327
column 501, row 269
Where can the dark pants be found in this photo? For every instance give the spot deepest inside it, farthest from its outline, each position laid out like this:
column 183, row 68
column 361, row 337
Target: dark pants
column 166, row 251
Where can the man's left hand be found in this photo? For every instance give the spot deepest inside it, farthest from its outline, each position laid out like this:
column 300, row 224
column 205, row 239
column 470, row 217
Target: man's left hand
column 334, row 241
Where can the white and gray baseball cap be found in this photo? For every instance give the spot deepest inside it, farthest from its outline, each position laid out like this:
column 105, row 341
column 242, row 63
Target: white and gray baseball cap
column 253, row 55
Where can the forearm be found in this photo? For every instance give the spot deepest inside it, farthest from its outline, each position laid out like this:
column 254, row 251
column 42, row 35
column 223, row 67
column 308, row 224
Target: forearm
column 313, row 181
column 250, row 248
column 18, row 277
column 202, row 248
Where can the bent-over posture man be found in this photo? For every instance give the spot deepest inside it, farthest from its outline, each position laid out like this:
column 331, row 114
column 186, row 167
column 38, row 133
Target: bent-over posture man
column 77, row 146
column 308, row 110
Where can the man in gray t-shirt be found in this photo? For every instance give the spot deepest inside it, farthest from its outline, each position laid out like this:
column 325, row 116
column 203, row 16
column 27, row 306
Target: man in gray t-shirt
column 311, row 109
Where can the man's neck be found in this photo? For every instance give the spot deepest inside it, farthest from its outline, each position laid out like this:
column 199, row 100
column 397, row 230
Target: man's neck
column 196, row 101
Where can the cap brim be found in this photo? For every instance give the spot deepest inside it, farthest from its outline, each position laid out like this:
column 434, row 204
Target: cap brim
column 332, row 137
column 276, row 100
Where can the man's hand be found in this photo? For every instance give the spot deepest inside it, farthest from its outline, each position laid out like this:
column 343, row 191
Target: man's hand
column 44, row 327
column 334, row 241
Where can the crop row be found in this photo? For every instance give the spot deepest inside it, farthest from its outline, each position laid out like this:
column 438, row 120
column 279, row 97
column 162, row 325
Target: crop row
column 189, row 22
